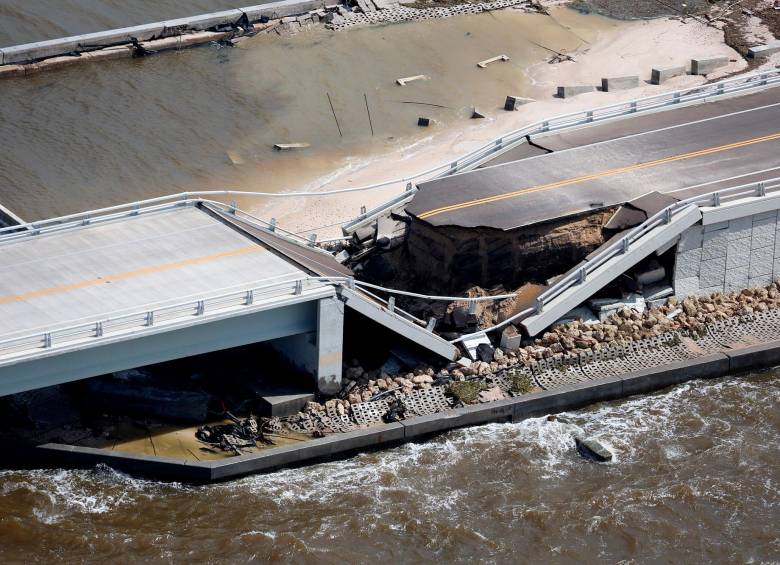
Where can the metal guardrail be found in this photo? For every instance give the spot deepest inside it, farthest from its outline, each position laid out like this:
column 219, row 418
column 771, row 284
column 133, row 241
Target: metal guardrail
column 370, row 215
column 167, row 315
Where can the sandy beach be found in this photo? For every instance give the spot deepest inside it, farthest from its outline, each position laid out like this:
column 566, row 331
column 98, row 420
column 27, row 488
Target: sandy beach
column 633, row 48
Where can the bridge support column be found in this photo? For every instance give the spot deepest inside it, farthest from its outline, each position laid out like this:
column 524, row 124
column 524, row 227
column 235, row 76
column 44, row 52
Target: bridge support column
column 318, row 352
column 330, row 344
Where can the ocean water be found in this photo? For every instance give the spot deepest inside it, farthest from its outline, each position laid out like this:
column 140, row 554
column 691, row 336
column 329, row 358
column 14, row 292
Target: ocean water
column 695, row 479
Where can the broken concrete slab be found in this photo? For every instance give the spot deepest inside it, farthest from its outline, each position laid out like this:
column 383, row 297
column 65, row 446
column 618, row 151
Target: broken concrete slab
column 619, row 83
column 657, row 292
column 569, row 91
column 706, row 66
column 593, row 449
column 277, row 399
column 472, row 342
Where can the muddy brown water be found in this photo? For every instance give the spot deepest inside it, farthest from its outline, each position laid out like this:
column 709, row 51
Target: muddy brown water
column 695, row 479
column 206, row 119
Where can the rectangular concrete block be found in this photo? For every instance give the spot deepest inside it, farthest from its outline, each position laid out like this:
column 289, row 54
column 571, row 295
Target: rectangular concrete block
column 692, row 238
column 715, row 245
column 569, row 91
column 740, row 228
column 713, row 272
column 764, row 50
column 661, row 74
column 619, row 83
column 736, row 278
column 761, row 262
column 514, row 102
column 686, row 286
column 760, row 281
column 738, row 253
column 711, row 290
column 763, row 234
column 649, row 380
column 706, row 66
column 754, row 357
column 688, row 264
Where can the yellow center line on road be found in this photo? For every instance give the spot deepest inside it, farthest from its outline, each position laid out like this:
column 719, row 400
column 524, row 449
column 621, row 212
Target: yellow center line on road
column 601, row 174
column 130, row 274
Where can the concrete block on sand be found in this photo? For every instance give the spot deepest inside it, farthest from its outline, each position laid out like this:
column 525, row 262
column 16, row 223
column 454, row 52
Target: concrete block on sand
column 569, row 91
column 706, row 66
column 764, row 50
column 659, row 75
column 619, row 83
column 514, row 102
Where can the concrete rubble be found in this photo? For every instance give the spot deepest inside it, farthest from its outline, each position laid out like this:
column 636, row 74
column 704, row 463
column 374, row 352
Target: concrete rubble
column 505, row 371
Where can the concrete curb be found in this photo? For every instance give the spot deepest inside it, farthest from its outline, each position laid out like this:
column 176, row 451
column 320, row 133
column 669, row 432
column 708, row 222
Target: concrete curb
column 561, row 399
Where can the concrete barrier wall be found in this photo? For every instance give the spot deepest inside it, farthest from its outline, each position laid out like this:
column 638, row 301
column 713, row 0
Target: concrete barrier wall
column 728, row 256
column 51, row 48
column 565, row 398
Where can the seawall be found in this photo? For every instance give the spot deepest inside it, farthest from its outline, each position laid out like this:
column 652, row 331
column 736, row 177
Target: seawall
column 567, row 397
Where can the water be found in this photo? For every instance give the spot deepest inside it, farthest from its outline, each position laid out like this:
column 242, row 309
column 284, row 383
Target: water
column 695, row 478
column 94, row 135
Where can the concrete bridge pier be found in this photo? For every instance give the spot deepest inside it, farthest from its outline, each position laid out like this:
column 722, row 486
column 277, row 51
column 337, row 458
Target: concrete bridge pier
column 319, row 353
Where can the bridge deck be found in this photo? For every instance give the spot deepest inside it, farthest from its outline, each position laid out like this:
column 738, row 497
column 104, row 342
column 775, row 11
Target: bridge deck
column 129, row 265
column 609, row 164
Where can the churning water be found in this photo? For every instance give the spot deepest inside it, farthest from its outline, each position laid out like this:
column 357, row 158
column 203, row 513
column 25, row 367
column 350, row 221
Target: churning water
column 695, row 478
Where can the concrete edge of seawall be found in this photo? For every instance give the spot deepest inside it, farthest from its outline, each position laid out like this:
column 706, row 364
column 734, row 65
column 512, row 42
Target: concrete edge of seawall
column 570, row 397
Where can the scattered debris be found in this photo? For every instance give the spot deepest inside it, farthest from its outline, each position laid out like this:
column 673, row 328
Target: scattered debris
column 406, row 80
column 290, row 146
column 239, row 434
column 486, row 62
